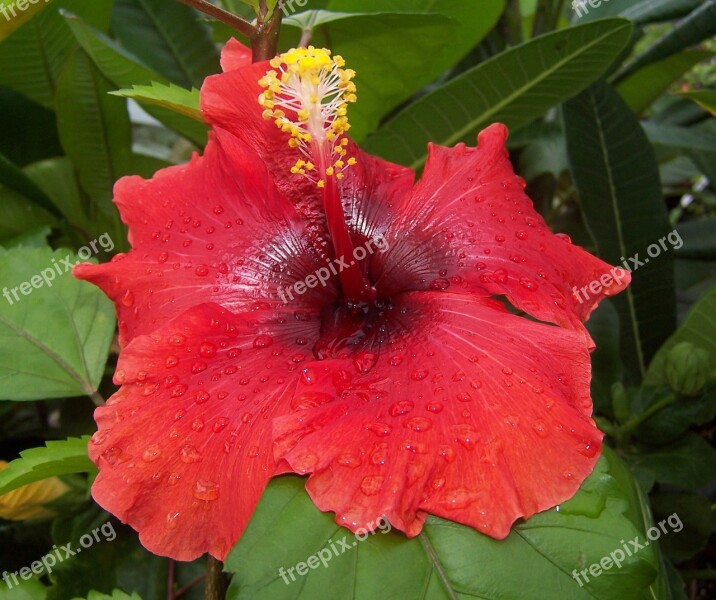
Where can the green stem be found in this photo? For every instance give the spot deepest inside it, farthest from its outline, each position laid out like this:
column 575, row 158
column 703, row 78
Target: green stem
column 637, row 420
column 264, row 41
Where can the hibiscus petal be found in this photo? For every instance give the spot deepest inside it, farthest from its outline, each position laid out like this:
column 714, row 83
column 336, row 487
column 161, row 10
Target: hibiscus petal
column 471, row 413
column 214, row 230
column 468, row 223
column 235, row 55
column 184, row 447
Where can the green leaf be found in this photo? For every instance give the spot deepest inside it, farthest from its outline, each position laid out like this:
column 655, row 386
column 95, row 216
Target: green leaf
column 688, row 463
column 682, row 138
column 13, row 178
column 645, row 86
column 515, row 87
column 388, row 51
column 34, row 238
column 173, row 97
column 32, row 58
column 95, row 132
column 29, row 590
column 14, row 16
column 693, row 512
column 63, row 457
column 696, row 27
column 643, row 11
column 704, row 98
column 18, row 214
column 115, row 595
column 699, row 239
column 56, row 343
column 168, row 37
column 699, row 328
column 603, row 326
column 125, row 71
column 618, row 184
column 447, row 560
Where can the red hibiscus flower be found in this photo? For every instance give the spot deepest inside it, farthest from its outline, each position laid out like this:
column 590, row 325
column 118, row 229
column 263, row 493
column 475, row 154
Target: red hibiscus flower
column 291, row 304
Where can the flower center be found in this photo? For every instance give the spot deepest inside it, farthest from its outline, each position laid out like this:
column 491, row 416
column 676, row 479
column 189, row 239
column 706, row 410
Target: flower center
column 307, row 94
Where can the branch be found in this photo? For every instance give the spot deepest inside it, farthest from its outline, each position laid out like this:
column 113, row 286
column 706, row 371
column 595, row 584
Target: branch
column 241, row 25
column 216, row 581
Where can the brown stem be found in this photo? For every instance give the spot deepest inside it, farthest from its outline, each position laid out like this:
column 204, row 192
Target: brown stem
column 170, row 580
column 216, row 581
column 183, row 590
column 264, row 42
column 241, row 25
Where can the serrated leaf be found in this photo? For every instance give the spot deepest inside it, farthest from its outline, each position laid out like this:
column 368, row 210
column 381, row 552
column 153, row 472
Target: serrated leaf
column 167, row 37
column 54, row 344
column 692, row 29
column 125, row 70
column 645, row 86
column 32, row 58
column 515, row 87
column 699, row 328
column 115, row 595
column 704, row 98
column 447, row 560
column 617, row 180
column 63, row 457
column 170, row 96
column 29, row 590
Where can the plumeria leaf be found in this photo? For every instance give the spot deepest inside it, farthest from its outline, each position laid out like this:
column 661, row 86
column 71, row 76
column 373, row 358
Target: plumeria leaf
column 618, row 183
column 514, row 87
column 699, row 328
column 699, row 239
column 168, row 37
column 704, row 98
column 32, row 58
column 173, row 97
column 14, row 17
column 55, row 344
column 682, row 138
column 57, row 458
column 642, row 11
column 125, row 70
column 642, row 88
column 13, row 178
column 694, row 28
column 374, row 44
column 442, row 561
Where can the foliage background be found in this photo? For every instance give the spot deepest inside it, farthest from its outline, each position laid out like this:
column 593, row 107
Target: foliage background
column 611, row 115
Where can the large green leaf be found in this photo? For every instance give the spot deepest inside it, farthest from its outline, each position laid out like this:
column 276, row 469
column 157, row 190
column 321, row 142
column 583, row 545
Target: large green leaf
column 32, row 58
column 168, row 37
column 699, row 328
column 18, row 214
column 616, row 176
column 683, row 138
column 696, row 27
column 699, row 239
column 388, row 51
column 646, row 85
column 515, row 87
column 125, row 70
column 13, row 178
column 642, row 11
column 55, row 343
column 447, row 560
column 704, row 98
column 14, row 15
column 95, row 132
column 57, row 458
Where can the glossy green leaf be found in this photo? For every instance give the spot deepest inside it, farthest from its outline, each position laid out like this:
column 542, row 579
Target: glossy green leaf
column 694, row 28
column 447, row 561
column 56, row 330
column 699, row 328
column 704, row 98
column 515, row 87
column 617, row 179
column 62, row 457
column 32, row 58
column 125, row 70
column 388, row 51
column 645, row 86
column 170, row 96
column 167, row 37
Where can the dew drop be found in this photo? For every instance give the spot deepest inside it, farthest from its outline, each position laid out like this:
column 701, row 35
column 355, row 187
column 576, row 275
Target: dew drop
column 207, row 350
column 379, row 429
column 202, row 270
column 206, row 490
column 128, row 298
column 418, row 374
column 189, row 454
column 419, row 424
column 220, row 424
column 402, row 407
column 172, row 361
column 371, row 485
column 152, row 453
column 263, row 341
column 434, row 407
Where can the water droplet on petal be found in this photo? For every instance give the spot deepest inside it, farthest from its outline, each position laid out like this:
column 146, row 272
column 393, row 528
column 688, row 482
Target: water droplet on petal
column 365, row 361
column 401, row 407
column 434, row 407
column 263, row 341
column 206, row 490
column 528, row 284
column 171, row 519
column 419, row 424
column 371, row 485
column 379, row 429
column 128, row 298
column 189, row 454
column 172, row 361
column 207, row 350
column 418, row 374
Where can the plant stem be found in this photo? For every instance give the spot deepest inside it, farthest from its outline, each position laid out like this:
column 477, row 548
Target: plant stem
column 216, row 582
column 637, row 420
column 241, row 25
column 264, row 41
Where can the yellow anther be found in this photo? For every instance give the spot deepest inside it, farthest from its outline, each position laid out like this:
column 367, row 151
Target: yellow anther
column 329, row 171
column 352, row 161
column 321, row 184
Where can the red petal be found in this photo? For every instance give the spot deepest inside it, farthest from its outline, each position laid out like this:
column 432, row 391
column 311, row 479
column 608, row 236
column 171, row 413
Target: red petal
column 235, row 55
column 476, row 415
column 184, row 448
column 213, row 230
column 469, row 223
